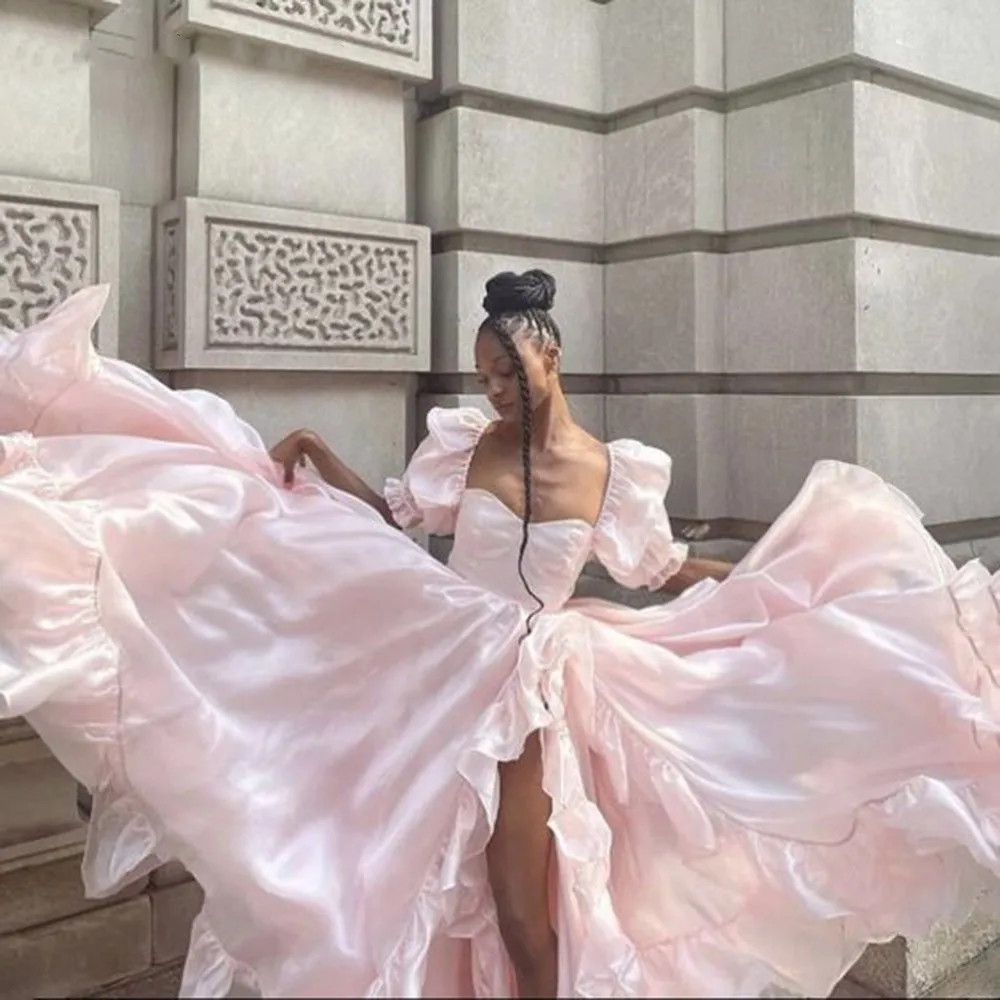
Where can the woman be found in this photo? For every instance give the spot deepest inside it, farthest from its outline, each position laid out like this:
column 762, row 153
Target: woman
column 360, row 754
column 537, row 463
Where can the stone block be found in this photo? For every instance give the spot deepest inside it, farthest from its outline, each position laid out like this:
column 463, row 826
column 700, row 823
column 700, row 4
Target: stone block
column 665, row 176
column 899, row 177
column 364, row 418
column 135, row 334
column 975, row 981
column 56, row 238
column 665, row 314
column 174, row 910
column 793, row 309
column 692, row 430
column 929, row 447
column 160, row 983
column 860, row 305
column 772, row 442
column 172, row 873
column 393, row 37
column 78, row 955
column 335, row 139
column 458, row 289
column 793, row 159
column 36, row 894
column 246, row 287
column 39, row 795
column 654, row 49
column 954, row 44
column 544, row 51
column 99, row 8
column 928, row 967
column 498, row 174
column 45, row 112
column 132, row 112
column 768, row 39
column 925, row 309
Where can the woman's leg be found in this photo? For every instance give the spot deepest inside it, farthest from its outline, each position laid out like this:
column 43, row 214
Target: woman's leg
column 518, row 858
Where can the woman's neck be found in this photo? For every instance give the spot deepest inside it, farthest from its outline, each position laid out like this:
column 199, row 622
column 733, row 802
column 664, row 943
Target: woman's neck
column 551, row 420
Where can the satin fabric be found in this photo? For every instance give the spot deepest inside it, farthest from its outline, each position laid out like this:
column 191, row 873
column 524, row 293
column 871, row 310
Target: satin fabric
column 291, row 698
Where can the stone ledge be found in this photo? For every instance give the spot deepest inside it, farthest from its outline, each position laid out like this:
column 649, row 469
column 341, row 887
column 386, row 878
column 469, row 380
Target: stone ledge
column 329, row 29
column 79, row 954
column 353, row 294
column 58, row 238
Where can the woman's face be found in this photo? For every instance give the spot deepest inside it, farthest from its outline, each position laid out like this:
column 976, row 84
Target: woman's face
column 497, row 374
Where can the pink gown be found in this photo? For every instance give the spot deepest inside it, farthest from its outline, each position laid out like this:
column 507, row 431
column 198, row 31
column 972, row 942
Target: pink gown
column 294, row 700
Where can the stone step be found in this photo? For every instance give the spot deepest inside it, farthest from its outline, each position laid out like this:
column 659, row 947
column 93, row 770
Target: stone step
column 78, row 955
column 38, row 794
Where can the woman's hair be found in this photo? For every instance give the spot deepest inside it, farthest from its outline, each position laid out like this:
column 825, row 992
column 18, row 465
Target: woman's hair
column 518, row 304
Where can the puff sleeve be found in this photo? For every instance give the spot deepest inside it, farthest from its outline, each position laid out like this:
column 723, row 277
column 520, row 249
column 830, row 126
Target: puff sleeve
column 430, row 490
column 633, row 539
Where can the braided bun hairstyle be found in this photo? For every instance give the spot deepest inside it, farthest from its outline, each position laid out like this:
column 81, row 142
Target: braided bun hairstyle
column 520, row 304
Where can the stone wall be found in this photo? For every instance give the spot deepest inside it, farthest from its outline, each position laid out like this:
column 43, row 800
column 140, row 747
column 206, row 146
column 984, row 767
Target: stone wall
column 774, row 224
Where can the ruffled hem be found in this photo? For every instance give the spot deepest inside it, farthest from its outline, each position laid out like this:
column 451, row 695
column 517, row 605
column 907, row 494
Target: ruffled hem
column 798, row 921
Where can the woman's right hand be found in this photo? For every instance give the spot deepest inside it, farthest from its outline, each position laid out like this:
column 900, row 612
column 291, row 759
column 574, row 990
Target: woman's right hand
column 293, row 451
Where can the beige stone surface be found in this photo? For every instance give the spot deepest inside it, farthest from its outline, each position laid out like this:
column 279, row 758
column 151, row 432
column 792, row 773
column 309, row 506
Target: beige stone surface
column 364, row 418
column 924, row 309
column 45, row 112
column 77, row 955
column 665, row 176
column 172, row 873
column 334, row 141
column 950, row 43
column 772, row 442
column 57, row 238
column 768, row 39
column 545, row 51
column 174, row 909
column 39, row 796
column 161, row 983
column 252, row 287
column 665, row 314
column 923, row 162
column 793, row 309
column 135, row 321
column 393, row 39
column 32, row 895
column 689, row 428
column 658, row 48
column 793, row 159
column 132, row 108
column 933, row 449
column 458, row 289
column 497, row 174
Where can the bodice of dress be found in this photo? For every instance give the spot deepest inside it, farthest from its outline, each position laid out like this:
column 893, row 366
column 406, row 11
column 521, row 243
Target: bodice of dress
column 632, row 537
column 487, row 541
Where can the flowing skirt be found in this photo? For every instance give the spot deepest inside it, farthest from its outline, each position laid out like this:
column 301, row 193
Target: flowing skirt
column 295, row 701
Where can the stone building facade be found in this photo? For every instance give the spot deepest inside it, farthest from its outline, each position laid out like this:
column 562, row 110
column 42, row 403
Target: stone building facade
column 775, row 226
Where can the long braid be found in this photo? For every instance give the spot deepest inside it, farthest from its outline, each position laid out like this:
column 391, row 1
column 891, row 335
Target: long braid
column 502, row 331
column 515, row 303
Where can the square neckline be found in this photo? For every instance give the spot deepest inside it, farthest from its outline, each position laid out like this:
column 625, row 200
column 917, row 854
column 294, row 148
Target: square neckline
column 602, row 511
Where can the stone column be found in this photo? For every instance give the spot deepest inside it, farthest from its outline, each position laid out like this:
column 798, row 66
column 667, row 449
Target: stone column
column 288, row 277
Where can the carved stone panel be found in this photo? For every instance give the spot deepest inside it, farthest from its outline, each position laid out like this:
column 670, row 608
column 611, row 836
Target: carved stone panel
column 241, row 286
column 54, row 240
column 389, row 35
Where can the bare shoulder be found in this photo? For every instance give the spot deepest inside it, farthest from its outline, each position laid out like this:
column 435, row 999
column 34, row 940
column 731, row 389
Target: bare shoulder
column 590, row 452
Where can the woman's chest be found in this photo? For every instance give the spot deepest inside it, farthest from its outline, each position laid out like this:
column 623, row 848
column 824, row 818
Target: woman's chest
column 492, row 549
